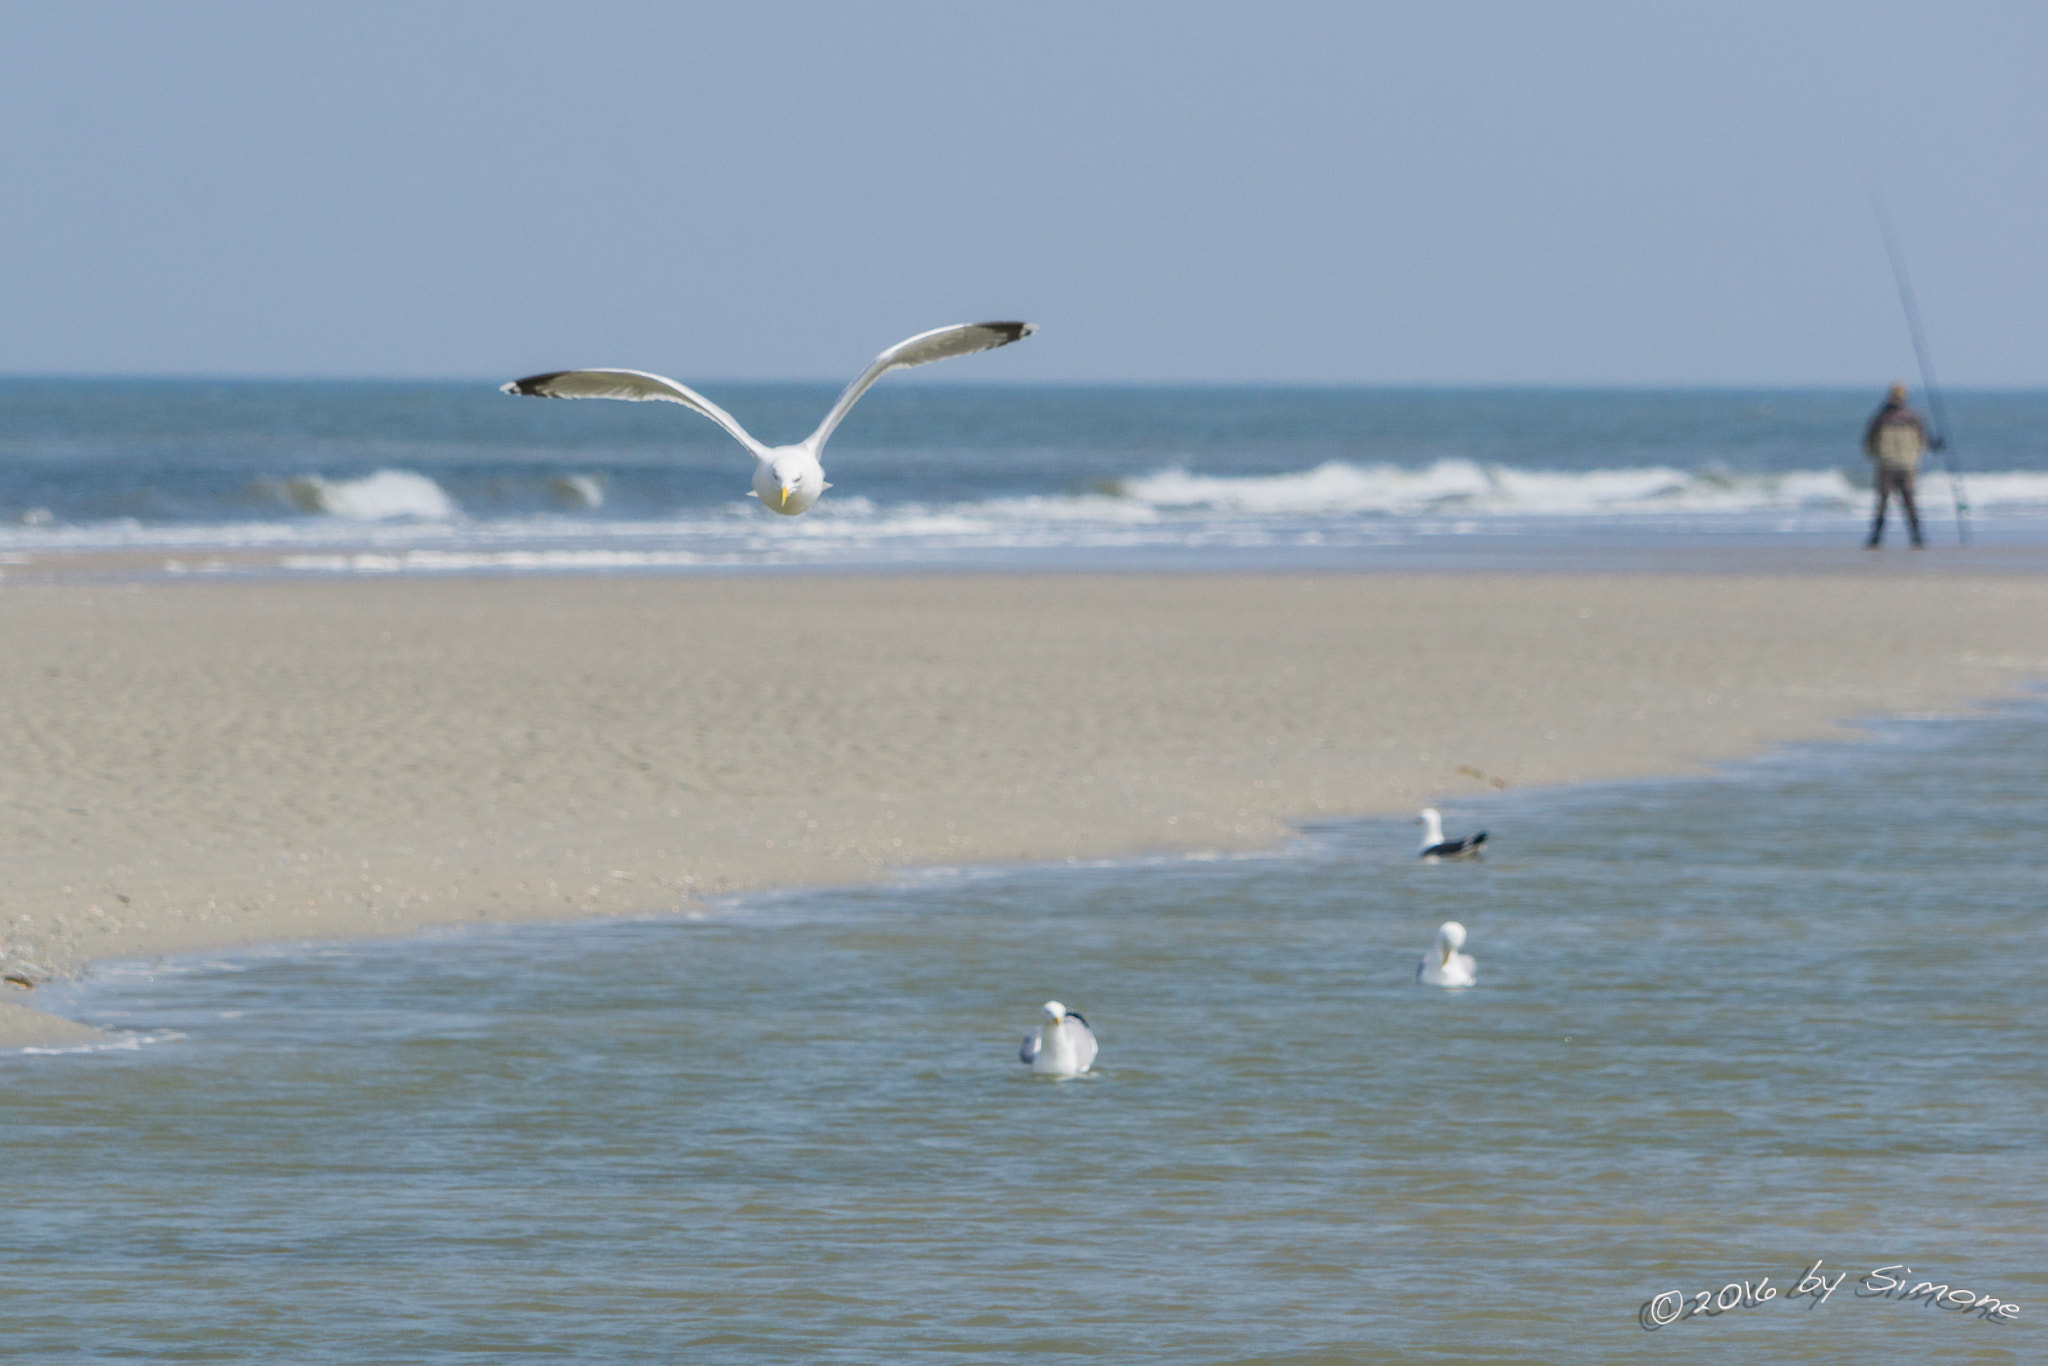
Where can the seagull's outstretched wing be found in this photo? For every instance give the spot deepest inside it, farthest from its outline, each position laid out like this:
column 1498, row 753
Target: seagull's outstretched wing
column 635, row 386
column 1029, row 1052
column 941, row 343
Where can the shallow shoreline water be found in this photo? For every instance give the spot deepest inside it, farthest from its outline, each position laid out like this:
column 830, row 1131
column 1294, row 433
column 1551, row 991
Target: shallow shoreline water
column 1996, row 548
column 1725, row 1026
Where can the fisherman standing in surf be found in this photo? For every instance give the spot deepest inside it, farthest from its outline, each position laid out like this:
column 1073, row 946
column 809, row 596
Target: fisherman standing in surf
column 1894, row 441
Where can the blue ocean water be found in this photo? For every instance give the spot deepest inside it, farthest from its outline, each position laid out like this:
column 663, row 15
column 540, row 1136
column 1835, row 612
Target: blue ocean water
column 427, row 477
column 1724, row 1028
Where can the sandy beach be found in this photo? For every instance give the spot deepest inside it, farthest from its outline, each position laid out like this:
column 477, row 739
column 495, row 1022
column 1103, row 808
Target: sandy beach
column 195, row 765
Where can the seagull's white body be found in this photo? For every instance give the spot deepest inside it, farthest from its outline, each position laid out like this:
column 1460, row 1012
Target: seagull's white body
column 1435, row 846
column 1443, row 965
column 787, row 479
column 1064, row 1046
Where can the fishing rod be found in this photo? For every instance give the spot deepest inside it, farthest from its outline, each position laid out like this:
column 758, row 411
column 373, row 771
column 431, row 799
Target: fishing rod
column 1935, row 408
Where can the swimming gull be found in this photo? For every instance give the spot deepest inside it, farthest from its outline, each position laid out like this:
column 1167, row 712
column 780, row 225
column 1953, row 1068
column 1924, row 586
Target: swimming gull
column 1443, row 965
column 1061, row 1047
column 787, row 479
column 1435, row 846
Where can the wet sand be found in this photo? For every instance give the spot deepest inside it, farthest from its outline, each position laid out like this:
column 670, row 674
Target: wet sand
column 202, row 764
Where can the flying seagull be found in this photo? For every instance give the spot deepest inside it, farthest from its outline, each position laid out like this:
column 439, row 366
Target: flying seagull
column 1435, row 846
column 1061, row 1047
column 787, row 479
column 1443, row 965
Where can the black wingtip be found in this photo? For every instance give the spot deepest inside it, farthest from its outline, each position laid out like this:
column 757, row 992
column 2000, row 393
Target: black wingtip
column 1479, row 839
column 533, row 386
column 1010, row 331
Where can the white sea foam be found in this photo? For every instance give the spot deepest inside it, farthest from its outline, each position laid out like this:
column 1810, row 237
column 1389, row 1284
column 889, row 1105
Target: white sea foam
column 387, row 495
column 398, row 522
column 470, row 561
column 1468, row 488
column 2009, row 491
column 121, row 1042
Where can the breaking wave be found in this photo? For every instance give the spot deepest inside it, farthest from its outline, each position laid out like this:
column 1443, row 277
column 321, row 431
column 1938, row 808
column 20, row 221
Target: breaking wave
column 396, row 521
column 1464, row 488
column 387, row 495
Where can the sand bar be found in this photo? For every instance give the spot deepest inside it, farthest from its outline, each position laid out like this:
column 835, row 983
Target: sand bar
column 202, row 764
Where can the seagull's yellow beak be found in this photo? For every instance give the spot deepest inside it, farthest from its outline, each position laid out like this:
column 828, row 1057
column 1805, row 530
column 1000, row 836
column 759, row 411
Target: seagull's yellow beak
column 785, row 495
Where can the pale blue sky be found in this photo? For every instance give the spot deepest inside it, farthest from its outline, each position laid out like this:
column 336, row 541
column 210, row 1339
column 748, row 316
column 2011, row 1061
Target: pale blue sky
column 1324, row 193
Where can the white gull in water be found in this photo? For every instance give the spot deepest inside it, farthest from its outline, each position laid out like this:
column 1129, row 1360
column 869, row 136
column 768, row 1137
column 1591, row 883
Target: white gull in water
column 1435, row 846
column 1443, row 965
column 1063, row 1046
column 787, row 479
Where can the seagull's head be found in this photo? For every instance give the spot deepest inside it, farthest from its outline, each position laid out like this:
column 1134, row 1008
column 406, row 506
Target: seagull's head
column 1055, row 1012
column 1451, row 935
column 789, row 481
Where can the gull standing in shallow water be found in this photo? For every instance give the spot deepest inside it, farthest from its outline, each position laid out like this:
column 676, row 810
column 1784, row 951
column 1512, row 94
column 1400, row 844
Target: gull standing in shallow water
column 1064, row 1046
column 787, row 479
column 1443, row 965
column 1435, row 846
